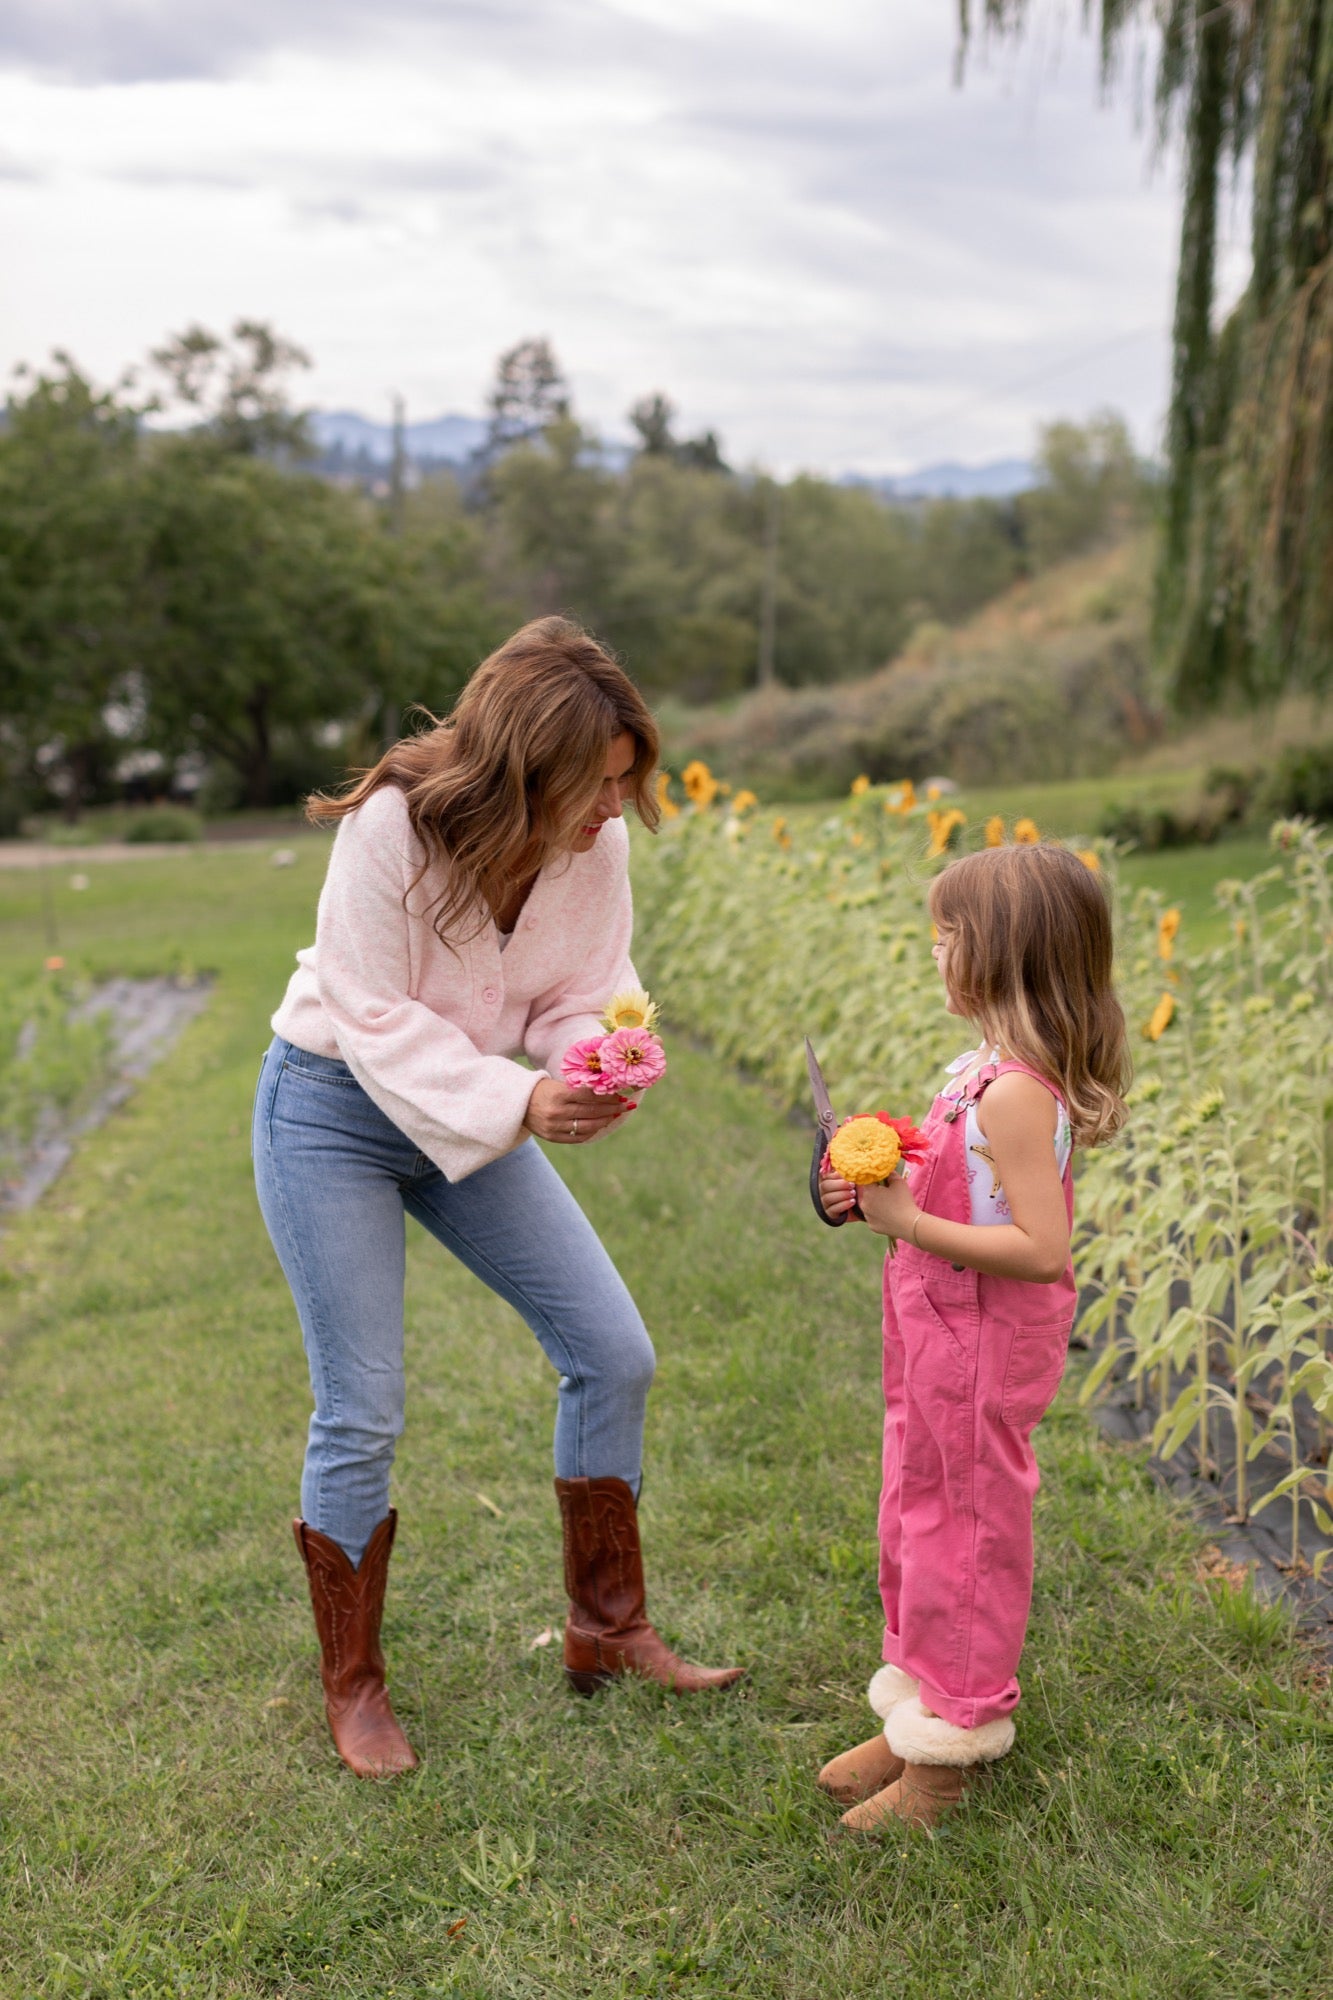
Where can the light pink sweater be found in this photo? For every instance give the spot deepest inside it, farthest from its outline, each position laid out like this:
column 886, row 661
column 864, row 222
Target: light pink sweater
column 430, row 1034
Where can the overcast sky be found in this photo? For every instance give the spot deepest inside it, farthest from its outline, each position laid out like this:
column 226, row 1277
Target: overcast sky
column 780, row 212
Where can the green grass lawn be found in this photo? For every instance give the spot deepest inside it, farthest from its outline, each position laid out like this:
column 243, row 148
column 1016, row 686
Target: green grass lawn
column 173, row 1820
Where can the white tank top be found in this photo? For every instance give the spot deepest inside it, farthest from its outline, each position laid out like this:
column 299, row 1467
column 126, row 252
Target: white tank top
column 985, row 1194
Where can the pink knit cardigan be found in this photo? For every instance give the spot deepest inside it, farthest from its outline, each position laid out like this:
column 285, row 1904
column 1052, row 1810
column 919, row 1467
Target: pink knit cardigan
column 431, row 1034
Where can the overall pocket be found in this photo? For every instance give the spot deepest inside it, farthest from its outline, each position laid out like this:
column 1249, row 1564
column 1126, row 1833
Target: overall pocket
column 1033, row 1374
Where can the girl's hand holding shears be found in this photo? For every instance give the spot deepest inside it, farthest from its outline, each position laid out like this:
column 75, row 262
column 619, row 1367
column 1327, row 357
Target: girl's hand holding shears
column 838, row 1197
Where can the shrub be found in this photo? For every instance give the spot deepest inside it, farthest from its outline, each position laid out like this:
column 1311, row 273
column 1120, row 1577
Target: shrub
column 162, row 823
column 1301, row 782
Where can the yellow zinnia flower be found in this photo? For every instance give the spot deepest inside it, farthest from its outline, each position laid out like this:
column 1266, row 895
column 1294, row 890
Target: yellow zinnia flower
column 1167, row 926
column 995, row 831
column 1026, row 832
column 630, row 1009
column 864, row 1150
column 1160, row 1019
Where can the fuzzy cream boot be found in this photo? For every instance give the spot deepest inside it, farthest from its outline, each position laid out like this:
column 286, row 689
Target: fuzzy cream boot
column 939, row 1760
column 858, row 1774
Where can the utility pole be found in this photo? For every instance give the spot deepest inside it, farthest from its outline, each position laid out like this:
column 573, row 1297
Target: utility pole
column 768, row 596
column 390, row 717
column 398, row 466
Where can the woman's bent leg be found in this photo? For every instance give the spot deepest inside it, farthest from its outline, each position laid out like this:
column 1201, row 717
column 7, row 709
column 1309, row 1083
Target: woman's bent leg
column 519, row 1229
column 516, row 1225
column 327, row 1169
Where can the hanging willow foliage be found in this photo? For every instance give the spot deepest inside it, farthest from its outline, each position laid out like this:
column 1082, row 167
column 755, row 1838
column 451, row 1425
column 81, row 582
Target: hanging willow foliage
column 1245, row 589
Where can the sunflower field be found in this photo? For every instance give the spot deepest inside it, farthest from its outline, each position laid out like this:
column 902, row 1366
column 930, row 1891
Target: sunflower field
column 1205, row 1245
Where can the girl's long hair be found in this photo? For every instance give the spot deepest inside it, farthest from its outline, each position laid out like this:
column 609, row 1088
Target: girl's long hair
column 498, row 787
column 1030, row 961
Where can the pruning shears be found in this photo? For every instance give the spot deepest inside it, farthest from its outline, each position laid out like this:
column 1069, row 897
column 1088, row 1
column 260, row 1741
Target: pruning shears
column 828, row 1125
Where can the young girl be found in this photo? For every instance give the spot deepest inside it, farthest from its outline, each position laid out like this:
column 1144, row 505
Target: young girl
column 978, row 1305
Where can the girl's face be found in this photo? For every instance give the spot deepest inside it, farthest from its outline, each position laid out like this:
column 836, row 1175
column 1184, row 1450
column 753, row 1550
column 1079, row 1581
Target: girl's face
column 939, row 951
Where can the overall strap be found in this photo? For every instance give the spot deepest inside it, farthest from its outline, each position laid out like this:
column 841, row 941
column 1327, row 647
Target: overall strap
column 986, row 1077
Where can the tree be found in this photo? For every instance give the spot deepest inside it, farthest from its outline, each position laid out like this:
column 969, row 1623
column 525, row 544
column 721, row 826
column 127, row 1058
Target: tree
column 239, row 389
column 529, row 394
column 1245, row 586
column 71, row 555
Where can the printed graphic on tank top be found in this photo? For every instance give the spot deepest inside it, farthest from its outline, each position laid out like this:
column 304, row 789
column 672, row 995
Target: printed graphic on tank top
column 985, row 1194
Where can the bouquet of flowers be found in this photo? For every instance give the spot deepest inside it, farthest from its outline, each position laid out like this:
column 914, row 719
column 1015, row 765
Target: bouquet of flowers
column 628, row 1057
column 870, row 1147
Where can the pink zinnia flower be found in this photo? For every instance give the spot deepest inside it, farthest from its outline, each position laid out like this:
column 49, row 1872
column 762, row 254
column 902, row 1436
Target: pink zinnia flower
column 632, row 1058
column 582, row 1066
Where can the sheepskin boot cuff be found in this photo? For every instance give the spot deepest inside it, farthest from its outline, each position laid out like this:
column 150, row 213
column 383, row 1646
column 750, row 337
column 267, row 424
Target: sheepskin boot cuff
column 919, row 1738
column 890, row 1686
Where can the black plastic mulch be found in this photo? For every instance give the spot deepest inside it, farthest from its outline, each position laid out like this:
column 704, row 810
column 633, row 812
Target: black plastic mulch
column 1262, row 1543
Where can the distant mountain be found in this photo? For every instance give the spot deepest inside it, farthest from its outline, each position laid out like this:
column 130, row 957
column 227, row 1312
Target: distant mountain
column 449, row 440
column 345, row 436
column 997, row 479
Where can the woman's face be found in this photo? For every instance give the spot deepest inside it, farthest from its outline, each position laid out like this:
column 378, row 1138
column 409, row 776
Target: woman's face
column 617, row 783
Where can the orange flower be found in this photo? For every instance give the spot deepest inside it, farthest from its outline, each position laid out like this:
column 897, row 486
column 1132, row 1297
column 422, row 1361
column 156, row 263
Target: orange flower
column 670, row 810
column 860, row 786
column 995, row 831
column 1167, row 926
column 1026, row 832
column 1091, row 860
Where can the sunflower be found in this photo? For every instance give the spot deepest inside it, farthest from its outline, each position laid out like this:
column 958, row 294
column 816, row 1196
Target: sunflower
column 630, row 1009
column 670, row 810
column 995, row 831
column 1160, row 1019
column 700, row 785
column 1167, row 926
column 1026, row 832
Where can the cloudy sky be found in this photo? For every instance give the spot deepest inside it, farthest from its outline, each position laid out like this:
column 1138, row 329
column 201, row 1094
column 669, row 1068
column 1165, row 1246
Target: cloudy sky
column 783, row 214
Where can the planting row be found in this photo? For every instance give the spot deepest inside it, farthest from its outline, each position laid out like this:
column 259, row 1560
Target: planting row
column 1204, row 1250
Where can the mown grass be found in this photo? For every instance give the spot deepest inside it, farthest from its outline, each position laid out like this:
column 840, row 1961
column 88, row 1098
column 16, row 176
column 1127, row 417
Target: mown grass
column 174, row 1821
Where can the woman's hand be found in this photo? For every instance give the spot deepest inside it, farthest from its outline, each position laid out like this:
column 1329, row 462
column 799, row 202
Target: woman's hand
column 889, row 1207
column 571, row 1117
column 837, row 1195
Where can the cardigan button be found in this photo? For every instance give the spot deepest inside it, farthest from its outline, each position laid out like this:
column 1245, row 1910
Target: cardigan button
column 532, row 923
column 490, row 996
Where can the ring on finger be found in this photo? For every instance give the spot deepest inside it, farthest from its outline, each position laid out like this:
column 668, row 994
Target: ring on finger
column 574, row 1128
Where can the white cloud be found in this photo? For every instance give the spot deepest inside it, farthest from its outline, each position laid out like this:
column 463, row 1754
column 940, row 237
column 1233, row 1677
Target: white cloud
column 787, row 218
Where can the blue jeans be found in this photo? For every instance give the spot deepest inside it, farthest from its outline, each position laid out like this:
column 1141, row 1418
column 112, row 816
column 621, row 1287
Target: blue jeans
column 335, row 1180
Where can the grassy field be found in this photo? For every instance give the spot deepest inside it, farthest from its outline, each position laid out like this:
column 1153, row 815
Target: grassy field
column 173, row 1819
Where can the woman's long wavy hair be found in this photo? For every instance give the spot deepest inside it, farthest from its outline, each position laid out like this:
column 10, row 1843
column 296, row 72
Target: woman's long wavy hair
column 1030, row 961
column 499, row 787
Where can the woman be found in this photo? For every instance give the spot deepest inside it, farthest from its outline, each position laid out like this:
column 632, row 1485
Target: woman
column 476, row 907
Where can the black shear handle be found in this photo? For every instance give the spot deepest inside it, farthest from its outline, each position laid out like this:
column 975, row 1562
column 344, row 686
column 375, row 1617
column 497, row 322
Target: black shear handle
column 816, row 1164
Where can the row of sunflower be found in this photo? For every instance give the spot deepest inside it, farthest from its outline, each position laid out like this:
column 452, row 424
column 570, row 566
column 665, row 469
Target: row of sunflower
column 1206, row 1244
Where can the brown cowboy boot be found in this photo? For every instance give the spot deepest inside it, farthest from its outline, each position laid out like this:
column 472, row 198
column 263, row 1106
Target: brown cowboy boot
column 608, row 1631
column 347, row 1604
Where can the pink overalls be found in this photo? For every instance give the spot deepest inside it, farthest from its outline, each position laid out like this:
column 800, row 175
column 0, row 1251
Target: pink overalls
column 971, row 1365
